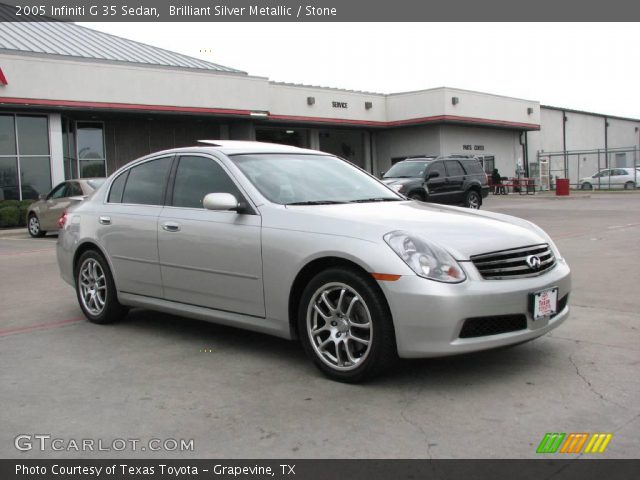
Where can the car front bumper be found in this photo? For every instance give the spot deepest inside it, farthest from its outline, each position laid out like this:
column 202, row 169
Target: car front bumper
column 428, row 315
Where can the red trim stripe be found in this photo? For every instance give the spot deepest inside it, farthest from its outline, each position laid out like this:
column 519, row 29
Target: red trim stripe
column 41, row 326
column 271, row 116
column 120, row 106
column 3, row 79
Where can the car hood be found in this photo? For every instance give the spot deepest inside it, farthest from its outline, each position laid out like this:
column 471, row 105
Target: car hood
column 400, row 181
column 461, row 231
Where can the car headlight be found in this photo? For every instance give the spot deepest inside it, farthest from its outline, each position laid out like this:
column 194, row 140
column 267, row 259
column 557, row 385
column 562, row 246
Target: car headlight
column 397, row 188
column 425, row 258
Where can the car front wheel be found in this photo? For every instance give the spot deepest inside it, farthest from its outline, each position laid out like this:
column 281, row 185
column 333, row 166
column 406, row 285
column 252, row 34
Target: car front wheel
column 96, row 290
column 33, row 226
column 345, row 325
column 473, row 200
column 586, row 186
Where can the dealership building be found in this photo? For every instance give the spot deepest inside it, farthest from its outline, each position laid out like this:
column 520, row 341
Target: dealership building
column 75, row 102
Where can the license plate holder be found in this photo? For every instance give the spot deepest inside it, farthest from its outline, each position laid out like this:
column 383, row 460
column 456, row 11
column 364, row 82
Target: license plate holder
column 543, row 303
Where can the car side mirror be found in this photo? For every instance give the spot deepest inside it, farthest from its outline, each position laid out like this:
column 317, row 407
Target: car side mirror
column 221, row 202
column 42, row 196
column 433, row 175
column 382, row 172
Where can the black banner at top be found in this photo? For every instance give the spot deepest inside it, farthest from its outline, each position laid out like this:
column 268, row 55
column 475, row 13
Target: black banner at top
column 318, row 10
column 327, row 469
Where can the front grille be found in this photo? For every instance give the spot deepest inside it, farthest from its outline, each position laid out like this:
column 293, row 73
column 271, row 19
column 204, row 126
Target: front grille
column 515, row 262
column 485, row 326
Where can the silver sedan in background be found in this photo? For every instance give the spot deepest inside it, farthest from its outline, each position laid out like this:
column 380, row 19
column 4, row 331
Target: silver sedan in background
column 43, row 215
column 304, row 245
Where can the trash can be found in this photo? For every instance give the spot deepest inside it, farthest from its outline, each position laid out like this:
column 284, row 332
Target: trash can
column 562, row 186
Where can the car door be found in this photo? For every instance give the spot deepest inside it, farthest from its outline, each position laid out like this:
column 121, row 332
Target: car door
column 455, row 184
column 619, row 177
column 128, row 226
column 55, row 204
column 209, row 258
column 602, row 179
column 437, row 185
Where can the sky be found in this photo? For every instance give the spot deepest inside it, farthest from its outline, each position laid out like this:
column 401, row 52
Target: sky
column 582, row 66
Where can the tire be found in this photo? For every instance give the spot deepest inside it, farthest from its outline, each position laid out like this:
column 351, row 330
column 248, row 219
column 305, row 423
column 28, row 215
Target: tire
column 629, row 186
column 93, row 276
column 332, row 303
column 586, row 186
column 473, row 200
column 416, row 196
column 33, row 226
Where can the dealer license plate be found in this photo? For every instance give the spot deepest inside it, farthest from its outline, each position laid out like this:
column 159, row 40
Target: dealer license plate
column 545, row 303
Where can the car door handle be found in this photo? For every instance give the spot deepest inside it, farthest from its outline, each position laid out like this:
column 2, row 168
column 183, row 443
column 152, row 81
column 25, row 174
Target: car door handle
column 104, row 220
column 171, row 227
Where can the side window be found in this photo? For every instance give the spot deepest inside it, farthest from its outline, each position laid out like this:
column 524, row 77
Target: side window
column 59, row 192
column 454, row 168
column 117, row 187
column 198, row 176
column 438, row 167
column 146, row 182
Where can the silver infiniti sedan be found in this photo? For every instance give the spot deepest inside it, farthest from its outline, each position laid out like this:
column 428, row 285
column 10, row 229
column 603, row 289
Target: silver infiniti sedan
column 304, row 245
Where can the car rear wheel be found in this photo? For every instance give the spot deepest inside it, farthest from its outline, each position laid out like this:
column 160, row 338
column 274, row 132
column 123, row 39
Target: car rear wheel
column 345, row 325
column 33, row 226
column 629, row 186
column 96, row 290
column 473, row 200
column 586, row 186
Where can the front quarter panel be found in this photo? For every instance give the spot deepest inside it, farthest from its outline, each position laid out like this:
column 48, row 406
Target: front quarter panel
column 286, row 252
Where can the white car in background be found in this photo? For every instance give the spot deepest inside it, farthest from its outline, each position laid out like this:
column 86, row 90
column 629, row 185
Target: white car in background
column 626, row 178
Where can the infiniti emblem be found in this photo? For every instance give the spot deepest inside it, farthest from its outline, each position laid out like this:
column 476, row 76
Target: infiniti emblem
column 533, row 261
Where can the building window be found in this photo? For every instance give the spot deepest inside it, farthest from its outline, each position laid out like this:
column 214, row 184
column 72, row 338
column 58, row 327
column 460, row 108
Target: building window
column 25, row 162
column 90, row 145
column 69, row 149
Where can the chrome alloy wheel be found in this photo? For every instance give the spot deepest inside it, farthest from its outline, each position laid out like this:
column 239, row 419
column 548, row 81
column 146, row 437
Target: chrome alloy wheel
column 93, row 286
column 34, row 225
column 339, row 326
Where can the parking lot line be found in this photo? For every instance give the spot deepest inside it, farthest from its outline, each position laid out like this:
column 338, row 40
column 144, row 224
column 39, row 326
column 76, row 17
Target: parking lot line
column 41, row 326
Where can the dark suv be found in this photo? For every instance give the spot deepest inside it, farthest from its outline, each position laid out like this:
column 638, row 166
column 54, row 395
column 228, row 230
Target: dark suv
column 454, row 180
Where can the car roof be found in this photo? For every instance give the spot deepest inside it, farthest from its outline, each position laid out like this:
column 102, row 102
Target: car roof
column 237, row 147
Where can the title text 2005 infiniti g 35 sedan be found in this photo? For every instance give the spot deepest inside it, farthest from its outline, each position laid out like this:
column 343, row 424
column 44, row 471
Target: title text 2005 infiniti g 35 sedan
column 301, row 244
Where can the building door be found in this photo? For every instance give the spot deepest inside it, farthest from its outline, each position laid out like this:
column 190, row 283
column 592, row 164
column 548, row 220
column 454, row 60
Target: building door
column 347, row 144
column 296, row 137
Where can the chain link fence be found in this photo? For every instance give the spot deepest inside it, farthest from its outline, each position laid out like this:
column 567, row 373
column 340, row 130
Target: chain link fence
column 612, row 168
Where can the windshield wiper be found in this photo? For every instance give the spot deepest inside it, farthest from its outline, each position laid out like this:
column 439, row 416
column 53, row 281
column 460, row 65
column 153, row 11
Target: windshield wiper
column 315, row 202
column 398, row 176
column 377, row 199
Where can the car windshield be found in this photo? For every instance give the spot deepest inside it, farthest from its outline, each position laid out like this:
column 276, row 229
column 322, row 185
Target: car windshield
column 294, row 179
column 406, row 170
column 95, row 183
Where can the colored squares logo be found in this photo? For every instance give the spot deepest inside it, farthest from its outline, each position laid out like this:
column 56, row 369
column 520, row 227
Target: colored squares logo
column 574, row 443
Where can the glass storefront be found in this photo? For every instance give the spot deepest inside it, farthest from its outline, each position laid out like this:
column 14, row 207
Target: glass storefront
column 25, row 162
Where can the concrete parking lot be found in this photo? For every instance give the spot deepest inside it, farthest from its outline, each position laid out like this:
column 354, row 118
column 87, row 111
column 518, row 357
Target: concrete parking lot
column 244, row 395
